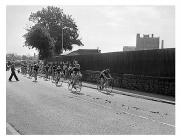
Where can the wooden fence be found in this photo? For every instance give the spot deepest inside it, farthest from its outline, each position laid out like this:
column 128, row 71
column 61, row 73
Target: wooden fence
column 156, row 63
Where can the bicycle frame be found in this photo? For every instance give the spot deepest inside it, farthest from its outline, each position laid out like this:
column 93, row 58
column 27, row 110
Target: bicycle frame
column 105, row 85
column 75, row 83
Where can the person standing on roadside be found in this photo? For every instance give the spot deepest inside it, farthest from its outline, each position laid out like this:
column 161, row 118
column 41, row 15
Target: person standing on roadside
column 13, row 73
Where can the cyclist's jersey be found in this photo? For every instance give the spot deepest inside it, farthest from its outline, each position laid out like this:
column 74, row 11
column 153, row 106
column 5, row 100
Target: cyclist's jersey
column 61, row 66
column 50, row 69
column 58, row 70
column 104, row 72
column 54, row 68
column 36, row 67
column 65, row 67
column 76, row 69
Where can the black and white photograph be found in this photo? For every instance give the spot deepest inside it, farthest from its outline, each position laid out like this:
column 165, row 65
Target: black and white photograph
column 90, row 70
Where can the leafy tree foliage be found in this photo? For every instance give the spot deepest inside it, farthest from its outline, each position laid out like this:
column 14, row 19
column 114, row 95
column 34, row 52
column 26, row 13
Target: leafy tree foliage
column 38, row 37
column 46, row 33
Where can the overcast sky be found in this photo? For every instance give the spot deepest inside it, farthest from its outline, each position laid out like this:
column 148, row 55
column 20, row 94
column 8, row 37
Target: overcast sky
column 107, row 27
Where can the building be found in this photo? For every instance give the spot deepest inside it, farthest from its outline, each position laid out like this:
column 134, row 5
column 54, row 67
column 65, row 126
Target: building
column 146, row 42
column 84, row 52
column 129, row 48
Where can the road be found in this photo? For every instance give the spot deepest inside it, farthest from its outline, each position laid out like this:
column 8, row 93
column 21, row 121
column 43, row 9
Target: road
column 42, row 108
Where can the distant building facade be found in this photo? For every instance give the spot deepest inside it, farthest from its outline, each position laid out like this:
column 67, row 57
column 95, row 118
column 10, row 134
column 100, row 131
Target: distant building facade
column 129, row 48
column 84, row 52
column 146, row 42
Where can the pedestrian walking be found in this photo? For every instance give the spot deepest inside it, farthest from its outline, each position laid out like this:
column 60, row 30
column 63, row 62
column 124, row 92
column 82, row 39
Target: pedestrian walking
column 13, row 73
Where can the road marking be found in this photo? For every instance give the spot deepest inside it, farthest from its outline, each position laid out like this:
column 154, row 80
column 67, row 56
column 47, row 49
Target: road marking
column 11, row 129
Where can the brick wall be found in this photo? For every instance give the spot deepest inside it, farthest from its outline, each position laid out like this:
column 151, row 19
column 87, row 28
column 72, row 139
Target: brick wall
column 157, row 85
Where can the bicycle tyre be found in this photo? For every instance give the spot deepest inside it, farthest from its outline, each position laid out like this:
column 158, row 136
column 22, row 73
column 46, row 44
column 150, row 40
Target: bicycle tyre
column 69, row 85
column 78, row 86
column 108, row 88
column 98, row 85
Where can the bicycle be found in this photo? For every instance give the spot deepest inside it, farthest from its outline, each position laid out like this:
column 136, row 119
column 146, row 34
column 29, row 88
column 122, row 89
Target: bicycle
column 66, row 75
column 58, row 79
column 53, row 77
column 107, row 86
column 35, row 73
column 75, row 83
column 46, row 75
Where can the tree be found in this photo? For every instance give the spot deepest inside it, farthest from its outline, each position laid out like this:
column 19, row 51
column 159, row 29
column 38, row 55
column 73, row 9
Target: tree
column 38, row 37
column 49, row 23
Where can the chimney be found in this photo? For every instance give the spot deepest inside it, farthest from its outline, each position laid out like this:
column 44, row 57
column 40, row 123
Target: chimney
column 162, row 45
column 138, row 35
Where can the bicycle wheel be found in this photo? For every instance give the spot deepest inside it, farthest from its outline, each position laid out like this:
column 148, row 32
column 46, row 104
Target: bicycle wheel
column 69, row 85
column 98, row 85
column 52, row 79
column 61, row 81
column 109, row 87
column 56, row 80
column 78, row 86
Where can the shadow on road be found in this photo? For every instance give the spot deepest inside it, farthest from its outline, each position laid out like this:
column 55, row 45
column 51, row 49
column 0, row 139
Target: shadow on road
column 77, row 93
column 13, row 81
column 104, row 92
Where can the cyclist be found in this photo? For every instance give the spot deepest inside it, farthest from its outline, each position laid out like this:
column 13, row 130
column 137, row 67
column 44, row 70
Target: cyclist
column 32, row 70
column 58, row 74
column 22, row 68
column 76, row 74
column 49, row 71
column 40, row 70
column 70, row 70
column 25, row 69
column 36, row 67
column 65, row 69
column 61, row 65
column 46, row 67
column 29, row 70
column 54, row 67
column 104, row 76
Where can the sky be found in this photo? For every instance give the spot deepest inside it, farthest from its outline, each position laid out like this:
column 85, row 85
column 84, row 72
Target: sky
column 108, row 28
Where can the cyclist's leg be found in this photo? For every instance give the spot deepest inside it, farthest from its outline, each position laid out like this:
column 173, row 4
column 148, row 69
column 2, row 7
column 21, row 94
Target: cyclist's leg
column 58, row 79
column 102, row 82
column 46, row 74
column 36, row 73
column 74, row 82
column 73, row 79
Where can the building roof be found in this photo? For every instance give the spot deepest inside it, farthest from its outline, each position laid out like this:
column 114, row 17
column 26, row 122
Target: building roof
column 84, row 52
column 129, row 48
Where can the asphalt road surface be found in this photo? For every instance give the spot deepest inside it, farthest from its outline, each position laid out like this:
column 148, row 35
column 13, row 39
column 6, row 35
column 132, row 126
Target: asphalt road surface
column 42, row 108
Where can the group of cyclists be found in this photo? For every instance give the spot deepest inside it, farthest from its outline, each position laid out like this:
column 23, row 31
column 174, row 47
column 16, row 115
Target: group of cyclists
column 54, row 71
column 65, row 70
